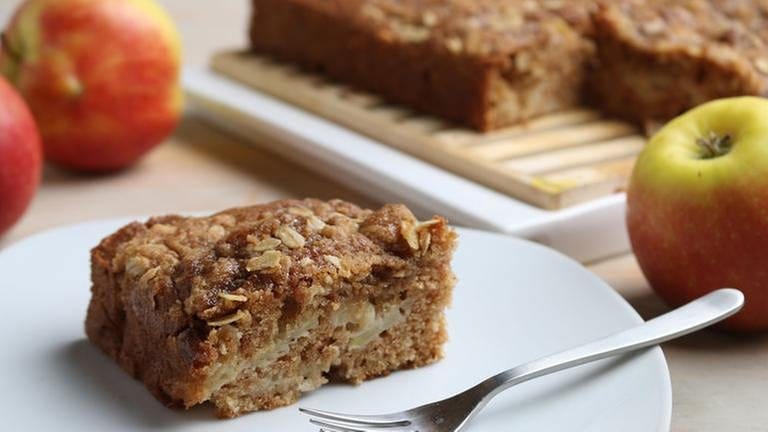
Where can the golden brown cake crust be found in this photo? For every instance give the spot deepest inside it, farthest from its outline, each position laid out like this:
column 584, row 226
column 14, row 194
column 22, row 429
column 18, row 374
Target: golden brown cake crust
column 481, row 63
column 233, row 307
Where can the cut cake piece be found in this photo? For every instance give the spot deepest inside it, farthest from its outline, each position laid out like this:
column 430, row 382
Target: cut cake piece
column 483, row 63
column 251, row 307
column 658, row 58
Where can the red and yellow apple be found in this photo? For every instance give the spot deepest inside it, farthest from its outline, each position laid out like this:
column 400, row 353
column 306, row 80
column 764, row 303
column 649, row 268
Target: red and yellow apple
column 21, row 156
column 697, row 207
column 100, row 76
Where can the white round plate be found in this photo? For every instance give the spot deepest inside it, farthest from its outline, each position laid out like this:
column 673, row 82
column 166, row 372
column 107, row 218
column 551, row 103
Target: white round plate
column 515, row 301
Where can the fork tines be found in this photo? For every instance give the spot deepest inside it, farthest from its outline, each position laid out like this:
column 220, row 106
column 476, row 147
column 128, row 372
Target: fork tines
column 335, row 422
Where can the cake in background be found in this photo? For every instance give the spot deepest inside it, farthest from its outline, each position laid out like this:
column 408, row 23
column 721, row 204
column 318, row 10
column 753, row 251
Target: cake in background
column 489, row 64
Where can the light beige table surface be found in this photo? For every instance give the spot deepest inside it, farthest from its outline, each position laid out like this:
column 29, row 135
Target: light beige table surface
column 720, row 382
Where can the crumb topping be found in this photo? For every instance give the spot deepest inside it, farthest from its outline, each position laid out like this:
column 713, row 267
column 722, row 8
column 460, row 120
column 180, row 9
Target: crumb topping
column 470, row 27
column 288, row 249
column 725, row 29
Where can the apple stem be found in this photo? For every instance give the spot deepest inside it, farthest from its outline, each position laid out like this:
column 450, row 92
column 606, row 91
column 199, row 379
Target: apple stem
column 12, row 68
column 6, row 46
column 714, row 145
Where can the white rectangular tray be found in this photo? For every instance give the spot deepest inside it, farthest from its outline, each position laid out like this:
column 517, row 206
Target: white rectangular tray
column 587, row 232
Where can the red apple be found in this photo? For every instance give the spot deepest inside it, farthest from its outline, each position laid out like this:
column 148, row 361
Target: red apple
column 697, row 207
column 21, row 156
column 100, row 76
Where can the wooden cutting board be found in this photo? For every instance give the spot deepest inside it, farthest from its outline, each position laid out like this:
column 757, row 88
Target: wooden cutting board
column 552, row 162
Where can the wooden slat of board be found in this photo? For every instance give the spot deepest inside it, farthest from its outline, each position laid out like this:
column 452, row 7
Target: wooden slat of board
column 583, row 183
column 463, row 136
column 365, row 100
column 550, row 140
column 424, row 125
column 545, row 161
column 608, row 172
column 391, row 113
column 577, row 156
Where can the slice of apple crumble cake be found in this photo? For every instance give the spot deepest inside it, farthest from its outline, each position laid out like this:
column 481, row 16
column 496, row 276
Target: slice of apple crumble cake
column 250, row 307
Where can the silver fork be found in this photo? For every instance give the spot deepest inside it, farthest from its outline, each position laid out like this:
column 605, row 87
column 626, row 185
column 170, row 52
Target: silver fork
column 453, row 414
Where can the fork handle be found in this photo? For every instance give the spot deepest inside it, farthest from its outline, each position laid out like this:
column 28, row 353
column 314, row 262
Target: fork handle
column 693, row 316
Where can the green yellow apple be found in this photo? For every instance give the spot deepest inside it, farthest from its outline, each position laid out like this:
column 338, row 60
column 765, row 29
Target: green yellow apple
column 100, row 76
column 697, row 206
